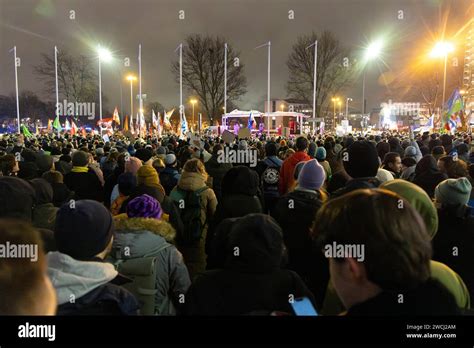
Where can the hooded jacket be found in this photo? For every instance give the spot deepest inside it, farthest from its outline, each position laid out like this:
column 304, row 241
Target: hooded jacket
column 427, row 175
column 217, row 171
column 454, row 242
column 147, row 237
column 85, row 287
column 250, row 278
column 287, row 169
column 44, row 212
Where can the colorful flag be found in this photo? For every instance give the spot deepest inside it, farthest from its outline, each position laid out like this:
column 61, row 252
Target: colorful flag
column 158, row 125
column 84, row 133
column 73, row 128
column 57, row 124
column 26, row 132
column 50, row 125
column 251, row 122
column 184, row 126
column 116, row 116
column 154, row 120
column 167, row 117
column 67, row 125
column 453, row 107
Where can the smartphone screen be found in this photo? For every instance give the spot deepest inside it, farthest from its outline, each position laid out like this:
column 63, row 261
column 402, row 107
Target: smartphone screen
column 303, row 307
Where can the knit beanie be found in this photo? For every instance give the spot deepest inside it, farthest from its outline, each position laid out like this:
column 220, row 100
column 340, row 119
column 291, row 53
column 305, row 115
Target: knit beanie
column 170, row 159
column 44, row 163
column 360, row 159
column 312, row 175
column 83, row 229
column 453, row 191
column 312, row 149
column 132, row 165
column 410, row 151
column 144, row 206
column 321, row 153
column 384, row 175
column 80, row 159
column 16, row 198
column 144, row 154
column 147, row 176
column 126, row 183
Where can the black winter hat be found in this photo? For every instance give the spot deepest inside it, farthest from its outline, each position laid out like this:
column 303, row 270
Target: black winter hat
column 361, row 160
column 83, row 229
column 17, row 198
column 144, row 154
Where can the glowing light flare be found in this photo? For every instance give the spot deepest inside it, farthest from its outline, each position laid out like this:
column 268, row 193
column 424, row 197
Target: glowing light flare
column 441, row 49
column 104, row 54
column 131, row 78
column 373, row 50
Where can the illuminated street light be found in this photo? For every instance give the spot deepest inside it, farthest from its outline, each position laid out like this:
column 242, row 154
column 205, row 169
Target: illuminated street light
column 334, row 101
column 373, row 51
column 104, row 55
column 441, row 50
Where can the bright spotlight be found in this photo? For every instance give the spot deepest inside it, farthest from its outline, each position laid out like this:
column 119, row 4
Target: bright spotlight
column 373, row 50
column 441, row 49
column 104, row 54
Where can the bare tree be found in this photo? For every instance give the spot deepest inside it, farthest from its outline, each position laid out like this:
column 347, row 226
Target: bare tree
column 203, row 73
column 76, row 79
column 335, row 69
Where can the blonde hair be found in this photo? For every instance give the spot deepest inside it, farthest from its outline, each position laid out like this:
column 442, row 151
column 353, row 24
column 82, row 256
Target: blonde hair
column 195, row 165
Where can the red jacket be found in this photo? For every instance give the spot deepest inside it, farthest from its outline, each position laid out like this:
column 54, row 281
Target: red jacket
column 287, row 170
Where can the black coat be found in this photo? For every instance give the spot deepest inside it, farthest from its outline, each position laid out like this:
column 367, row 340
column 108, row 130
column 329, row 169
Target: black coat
column 296, row 220
column 430, row 298
column 355, row 184
column 85, row 185
column 217, row 171
column 453, row 245
column 251, row 280
column 427, row 175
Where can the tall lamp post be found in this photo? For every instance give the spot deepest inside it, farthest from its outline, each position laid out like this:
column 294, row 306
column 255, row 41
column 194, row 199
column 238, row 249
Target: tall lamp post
column 131, row 78
column 334, row 101
column 372, row 52
column 104, row 55
column 347, row 106
column 442, row 50
column 193, row 102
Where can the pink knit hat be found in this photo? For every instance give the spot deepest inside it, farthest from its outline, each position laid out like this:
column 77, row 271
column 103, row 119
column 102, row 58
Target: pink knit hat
column 132, row 165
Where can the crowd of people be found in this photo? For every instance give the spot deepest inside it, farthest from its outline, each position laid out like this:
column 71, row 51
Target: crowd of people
column 162, row 226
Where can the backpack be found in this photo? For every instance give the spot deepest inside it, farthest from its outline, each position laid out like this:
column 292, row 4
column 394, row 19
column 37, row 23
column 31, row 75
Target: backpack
column 142, row 272
column 189, row 204
column 270, row 178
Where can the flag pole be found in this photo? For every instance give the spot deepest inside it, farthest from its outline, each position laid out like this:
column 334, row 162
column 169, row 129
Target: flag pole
column 140, row 83
column 225, row 78
column 268, row 86
column 56, row 81
column 16, row 89
column 181, row 106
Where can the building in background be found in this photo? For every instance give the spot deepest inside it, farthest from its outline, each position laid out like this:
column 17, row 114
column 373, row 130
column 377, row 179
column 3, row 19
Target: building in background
column 468, row 77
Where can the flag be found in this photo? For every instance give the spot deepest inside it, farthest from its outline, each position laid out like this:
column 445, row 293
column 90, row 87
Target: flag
column 453, row 107
column 84, row 133
column 158, row 125
column 154, row 120
column 142, row 125
column 67, row 125
column 116, row 116
column 167, row 117
column 26, row 132
column 125, row 124
column 73, row 128
column 137, row 123
column 251, row 122
column 184, row 126
column 57, row 124
column 50, row 125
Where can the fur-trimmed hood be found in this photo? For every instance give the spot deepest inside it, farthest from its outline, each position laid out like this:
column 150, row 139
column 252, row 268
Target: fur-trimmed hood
column 124, row 224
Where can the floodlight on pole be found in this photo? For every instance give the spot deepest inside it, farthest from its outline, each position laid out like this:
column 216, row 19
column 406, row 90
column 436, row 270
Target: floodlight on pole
column 104, row 55
column 131, row 79
column 372, row 51
column 193, row 102
column 441, row 50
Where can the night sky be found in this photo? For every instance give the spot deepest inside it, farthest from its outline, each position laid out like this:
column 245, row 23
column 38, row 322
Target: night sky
column 36, row 26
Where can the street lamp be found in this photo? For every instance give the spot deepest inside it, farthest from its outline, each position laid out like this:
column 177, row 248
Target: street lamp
column 441, row 50
column 282, row 107
column 372, row 52
column 193, row 101
column 334, row 101
column 104, row 55
column 347, row 106
column 131, row 78
column 339, row 103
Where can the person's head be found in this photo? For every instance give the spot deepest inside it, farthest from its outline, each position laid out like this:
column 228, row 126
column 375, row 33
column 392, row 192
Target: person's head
column 17, row 198
column 84, row 229
column 393, row 162
column 384, row 175
column 126, row 183
column 132, row 164
column 147, row 176
column 438, row 152
column 159, row 165
column 453, row 192
column 311, row 176
column 312, row 147
column 360, row 159
column 80, row 159
column 144, row 154
column 53, row 177
column 44, row 163
column 170, row 160
column 9, row 165
column 301, row 144
column 43, row 190
column 410, row 151
column 391, row 249
column 321, row 154
column 144, row 206
column 418, row 199
column 408, row 162
column 458, row 169
column 444, row 164
column 270, row 149
column 24, row 283
column 194, row 165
